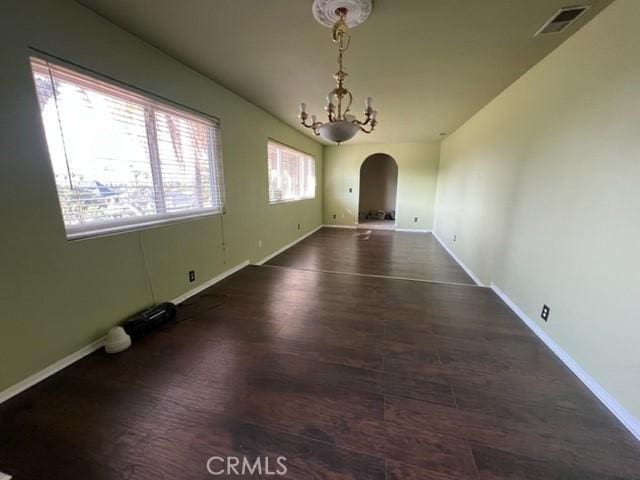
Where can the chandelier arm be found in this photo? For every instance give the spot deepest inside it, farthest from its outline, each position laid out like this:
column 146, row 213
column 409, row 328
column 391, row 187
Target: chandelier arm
column 346, row 110
column 371, row 128
column 303, row 121
column 312, row 126
column 331, row 112
column 366, row 121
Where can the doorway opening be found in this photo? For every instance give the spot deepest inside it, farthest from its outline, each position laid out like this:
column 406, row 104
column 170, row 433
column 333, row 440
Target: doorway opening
column 378, row 191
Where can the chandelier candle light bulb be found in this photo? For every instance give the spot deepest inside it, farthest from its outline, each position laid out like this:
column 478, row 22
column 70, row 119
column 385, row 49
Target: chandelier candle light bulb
column 341, row 125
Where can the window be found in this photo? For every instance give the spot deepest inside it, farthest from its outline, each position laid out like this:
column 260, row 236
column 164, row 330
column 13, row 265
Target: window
column 292, row 174
column 122, row 160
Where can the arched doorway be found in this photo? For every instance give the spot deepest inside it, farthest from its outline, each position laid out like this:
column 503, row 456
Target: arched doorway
column 378, row 191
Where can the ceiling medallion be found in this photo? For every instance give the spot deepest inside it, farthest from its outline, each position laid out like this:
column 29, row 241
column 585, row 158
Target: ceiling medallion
column 341, row 126
column 326, row 11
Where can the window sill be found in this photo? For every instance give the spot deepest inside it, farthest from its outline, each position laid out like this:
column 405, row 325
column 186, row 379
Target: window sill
column 87, row 233
column 294, row 200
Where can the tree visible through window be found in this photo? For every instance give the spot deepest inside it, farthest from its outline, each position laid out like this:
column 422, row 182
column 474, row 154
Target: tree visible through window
column 122, row 160
column 292, row 174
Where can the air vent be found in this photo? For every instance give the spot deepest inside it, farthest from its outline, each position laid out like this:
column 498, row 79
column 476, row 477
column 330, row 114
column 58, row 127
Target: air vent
column 562, row 19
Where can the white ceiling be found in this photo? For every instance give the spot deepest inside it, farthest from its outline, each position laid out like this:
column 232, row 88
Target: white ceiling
column 428, row 64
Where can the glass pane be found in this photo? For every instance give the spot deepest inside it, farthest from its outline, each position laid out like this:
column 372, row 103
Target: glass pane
column 185, row 152
column 291, row 174
column 105, row 174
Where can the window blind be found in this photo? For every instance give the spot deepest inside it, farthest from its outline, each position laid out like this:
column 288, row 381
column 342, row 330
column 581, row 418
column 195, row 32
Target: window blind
column 292, row 174
column 122, row 160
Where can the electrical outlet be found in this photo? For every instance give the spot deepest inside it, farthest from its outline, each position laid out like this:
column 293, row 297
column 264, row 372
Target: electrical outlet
column 259, row 243
column 415, row 219
column 334, row 215
column 351, row 190
column 545, row 313
column 298, row 226
column 192, row 276
column 455, row 237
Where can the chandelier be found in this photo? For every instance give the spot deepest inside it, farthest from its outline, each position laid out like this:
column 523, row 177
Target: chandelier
column 341, row 125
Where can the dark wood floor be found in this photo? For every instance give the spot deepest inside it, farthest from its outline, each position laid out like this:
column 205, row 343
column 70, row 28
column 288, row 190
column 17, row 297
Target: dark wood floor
column 348, row 377
column 382, row 252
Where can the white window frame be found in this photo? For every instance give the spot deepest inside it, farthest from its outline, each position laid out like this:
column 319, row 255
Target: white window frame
column 271, row 141
column 153, row 104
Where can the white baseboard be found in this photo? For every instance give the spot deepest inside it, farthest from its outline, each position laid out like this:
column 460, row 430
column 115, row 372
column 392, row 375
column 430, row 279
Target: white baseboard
column 209, row 283
column 37, row 377
column 626, row 418
column 413, row 230
column 280, row 250
column 353, row 227
column 460, row 262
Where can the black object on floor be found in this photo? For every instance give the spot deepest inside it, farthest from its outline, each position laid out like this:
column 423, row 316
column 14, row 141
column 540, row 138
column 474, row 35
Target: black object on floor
column 148, row 320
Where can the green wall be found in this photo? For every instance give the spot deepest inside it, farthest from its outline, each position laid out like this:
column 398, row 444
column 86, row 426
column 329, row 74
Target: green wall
column 542, row 189
column 417, row 176
column 57, row 296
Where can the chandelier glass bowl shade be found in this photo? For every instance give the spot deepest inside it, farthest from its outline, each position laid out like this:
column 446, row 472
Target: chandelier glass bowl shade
column 341, row 125
column 338, row 131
